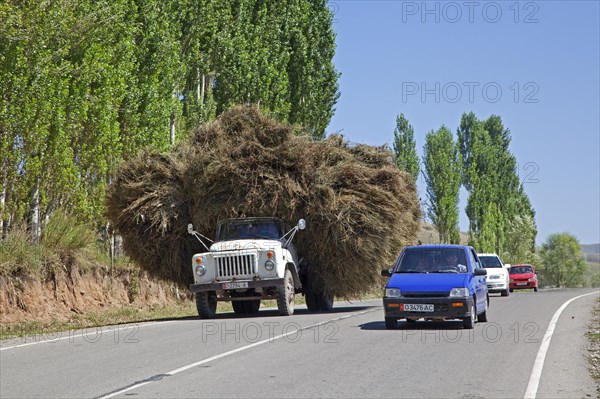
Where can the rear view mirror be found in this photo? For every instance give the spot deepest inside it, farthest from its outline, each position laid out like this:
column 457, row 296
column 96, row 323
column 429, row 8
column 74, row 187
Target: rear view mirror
column 190, row 229
column 480, row 272
column 301, row 224
column 507, row 265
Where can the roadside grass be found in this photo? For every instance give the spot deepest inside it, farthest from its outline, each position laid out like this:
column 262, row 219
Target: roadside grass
column 594, row 337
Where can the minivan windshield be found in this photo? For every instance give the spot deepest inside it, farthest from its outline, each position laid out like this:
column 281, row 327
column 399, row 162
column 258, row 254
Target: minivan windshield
column 432, row 260
column 489, row 261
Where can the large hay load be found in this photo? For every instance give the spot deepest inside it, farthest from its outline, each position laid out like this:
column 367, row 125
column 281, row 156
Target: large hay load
column 359, row 208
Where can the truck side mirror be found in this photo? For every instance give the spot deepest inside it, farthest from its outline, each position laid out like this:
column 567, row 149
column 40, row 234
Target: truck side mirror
column 190, row 229
column 301, row 224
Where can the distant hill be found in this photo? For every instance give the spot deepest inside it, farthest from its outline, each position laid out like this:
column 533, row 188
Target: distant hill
column 591, row 252
column 428, row 235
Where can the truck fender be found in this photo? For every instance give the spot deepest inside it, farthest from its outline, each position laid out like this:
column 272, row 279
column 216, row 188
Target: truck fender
column 295, row 276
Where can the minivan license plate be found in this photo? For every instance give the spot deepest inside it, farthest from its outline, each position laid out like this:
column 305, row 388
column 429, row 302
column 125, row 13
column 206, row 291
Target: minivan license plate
column 232, row 286
column 412, row 307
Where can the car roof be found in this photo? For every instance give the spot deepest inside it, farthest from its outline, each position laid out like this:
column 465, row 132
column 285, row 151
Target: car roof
column 438, row 246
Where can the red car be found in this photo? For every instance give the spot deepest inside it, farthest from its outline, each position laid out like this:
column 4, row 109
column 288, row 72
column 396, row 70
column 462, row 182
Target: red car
column 522, row 277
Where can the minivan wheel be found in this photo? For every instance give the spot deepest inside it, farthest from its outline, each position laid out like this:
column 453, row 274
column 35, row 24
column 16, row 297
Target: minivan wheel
column 469, row 321
column 391, row 323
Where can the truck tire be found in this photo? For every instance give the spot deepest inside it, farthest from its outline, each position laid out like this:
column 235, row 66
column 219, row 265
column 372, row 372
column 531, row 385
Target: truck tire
column 311, row 299
column 239, row 307
column 252, row 306
column 325, row 301
column 285, row 295
column 206, row 303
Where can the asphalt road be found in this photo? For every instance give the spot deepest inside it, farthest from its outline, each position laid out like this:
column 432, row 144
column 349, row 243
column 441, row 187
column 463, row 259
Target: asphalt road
column 344, row 353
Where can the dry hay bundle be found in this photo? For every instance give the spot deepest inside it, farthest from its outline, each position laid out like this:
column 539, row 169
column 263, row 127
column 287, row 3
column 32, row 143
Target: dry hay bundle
column 360, row 210
column 148, row 206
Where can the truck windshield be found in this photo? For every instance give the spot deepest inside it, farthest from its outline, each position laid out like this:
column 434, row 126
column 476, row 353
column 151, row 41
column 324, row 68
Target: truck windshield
column 250, row 229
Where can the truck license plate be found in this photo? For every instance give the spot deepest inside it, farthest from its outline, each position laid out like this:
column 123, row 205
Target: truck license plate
column 412, row 307
column 232, row 286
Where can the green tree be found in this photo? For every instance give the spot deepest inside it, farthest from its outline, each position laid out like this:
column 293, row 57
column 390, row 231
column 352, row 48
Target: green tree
column 520, row 241
column 442, row 175
column 405, row 147
column 563, row 262
column 496, row 197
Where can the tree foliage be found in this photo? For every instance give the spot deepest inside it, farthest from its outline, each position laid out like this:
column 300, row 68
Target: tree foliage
column 563, row 262
column 489, row 173
column 443, row 166
column 405, row 147
column 85, row 84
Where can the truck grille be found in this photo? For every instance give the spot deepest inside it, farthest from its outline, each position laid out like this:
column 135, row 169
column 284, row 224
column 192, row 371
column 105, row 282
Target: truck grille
column 236, row 266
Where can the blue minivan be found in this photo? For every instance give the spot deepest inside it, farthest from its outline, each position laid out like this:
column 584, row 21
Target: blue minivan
column 436, row 282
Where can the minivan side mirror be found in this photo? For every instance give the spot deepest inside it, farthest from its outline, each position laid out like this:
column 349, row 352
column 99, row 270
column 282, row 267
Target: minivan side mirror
column 507, row 265
column 480, row 272
column 386, row 272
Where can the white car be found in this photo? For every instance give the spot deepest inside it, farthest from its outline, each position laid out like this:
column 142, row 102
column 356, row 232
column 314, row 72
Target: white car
column 497, row 273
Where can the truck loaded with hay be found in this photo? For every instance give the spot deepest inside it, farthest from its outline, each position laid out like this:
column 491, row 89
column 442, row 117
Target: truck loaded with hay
column 360, row 210
column 253, row 259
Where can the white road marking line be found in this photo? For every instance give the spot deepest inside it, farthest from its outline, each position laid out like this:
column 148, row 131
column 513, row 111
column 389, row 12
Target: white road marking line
column 231, row 352
column 536, row 373
column 81, row 333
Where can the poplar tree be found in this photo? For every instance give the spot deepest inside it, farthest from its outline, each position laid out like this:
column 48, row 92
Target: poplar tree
column 405, row 147
column 442, row 175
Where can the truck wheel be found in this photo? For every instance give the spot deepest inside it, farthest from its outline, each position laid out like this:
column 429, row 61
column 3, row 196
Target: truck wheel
column 311, row 299
column 206, row 303
column 252, row 306
column 285, row 295
column 325, row 301
column 239, row 307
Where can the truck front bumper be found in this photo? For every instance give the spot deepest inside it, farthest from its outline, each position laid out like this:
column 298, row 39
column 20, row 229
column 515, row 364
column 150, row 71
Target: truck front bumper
column 238, row 284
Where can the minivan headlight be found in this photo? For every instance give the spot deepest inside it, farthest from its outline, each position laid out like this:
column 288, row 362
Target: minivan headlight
column 459, row 293
column 393, row 293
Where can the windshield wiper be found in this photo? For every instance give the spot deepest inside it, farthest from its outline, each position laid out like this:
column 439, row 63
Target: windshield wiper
column 445, row 271
column 412, row 271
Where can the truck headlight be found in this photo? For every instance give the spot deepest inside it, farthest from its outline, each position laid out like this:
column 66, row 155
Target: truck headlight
column 459, row 293
column 200, row 270
column 269, row 265
column 393, row 293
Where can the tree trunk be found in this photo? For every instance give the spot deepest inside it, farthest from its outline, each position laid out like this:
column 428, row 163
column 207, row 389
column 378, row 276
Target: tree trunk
column 172, row 128
column 34, row 221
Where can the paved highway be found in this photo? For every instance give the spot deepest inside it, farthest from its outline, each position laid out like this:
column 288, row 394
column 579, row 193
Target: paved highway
column 344, row 353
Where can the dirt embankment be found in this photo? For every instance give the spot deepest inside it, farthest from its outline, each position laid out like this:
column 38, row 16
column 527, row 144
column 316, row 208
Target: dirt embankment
column 65, row 293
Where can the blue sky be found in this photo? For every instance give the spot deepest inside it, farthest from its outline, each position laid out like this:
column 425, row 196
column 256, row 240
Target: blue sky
column 534, row 63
